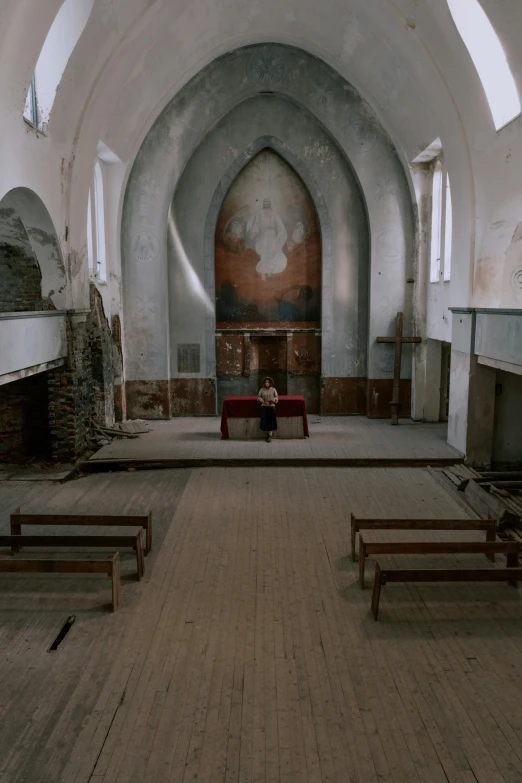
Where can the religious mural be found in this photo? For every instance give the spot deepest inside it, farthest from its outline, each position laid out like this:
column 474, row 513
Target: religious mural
column 268, row 250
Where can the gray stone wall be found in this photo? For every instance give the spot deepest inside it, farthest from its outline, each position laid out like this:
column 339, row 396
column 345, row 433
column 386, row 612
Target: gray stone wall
column 299, row 139
column 335, row 117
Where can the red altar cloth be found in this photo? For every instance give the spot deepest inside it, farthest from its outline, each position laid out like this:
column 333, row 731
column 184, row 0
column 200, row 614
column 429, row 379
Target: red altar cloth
column 249, row 408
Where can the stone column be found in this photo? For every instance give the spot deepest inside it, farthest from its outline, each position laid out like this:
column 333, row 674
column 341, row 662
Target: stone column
column 472, row 394
column 426, row 374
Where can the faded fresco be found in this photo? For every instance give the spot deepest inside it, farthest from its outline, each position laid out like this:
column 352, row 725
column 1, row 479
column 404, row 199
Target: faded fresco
column 268, row 250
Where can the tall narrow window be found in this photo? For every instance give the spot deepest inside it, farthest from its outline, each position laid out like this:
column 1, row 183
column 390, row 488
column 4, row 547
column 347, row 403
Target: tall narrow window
column 90, row 229
column 448, row 230
column 489, row 58
column 99, row 212
column 436, row 223
column 441, row 225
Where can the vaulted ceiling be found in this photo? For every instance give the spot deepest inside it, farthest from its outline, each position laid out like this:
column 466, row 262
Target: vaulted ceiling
column 405, row 57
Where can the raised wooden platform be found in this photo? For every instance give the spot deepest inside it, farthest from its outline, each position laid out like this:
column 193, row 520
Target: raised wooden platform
column 348, row 441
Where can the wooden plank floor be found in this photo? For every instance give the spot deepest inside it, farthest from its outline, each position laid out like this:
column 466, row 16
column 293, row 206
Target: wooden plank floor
column 346, row 437
column 249, row 653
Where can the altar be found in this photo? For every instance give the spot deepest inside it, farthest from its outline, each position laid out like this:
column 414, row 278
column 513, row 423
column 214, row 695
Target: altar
column 240, row 418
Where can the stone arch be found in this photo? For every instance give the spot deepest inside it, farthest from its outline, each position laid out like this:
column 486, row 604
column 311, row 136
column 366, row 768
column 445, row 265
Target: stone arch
column 183, row 126
column 22, row 207
column 241, row 162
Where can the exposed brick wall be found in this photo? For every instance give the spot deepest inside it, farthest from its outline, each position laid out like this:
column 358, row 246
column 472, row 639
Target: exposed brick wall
column 24, row 420
column 83, row 389
column 71, row 396
column 101, row 347
column 20, row 280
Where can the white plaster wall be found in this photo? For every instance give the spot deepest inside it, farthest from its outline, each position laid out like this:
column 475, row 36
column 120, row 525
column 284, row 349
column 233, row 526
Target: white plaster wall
column 29, row 340
column 405, row 57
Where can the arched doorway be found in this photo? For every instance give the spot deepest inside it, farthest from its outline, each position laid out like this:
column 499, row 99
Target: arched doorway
column 268, row 283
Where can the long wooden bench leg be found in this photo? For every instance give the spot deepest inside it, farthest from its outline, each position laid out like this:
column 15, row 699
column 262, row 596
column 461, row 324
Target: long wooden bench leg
column 512, row 561
column 362, row 561
column 115, row 576
column 376, row 595
column 140, row 561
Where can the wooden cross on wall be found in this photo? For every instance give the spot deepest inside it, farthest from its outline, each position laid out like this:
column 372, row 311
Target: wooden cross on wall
column 395, row 403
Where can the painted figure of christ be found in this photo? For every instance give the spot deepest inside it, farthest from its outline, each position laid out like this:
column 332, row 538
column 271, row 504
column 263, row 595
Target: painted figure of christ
column 269, row 234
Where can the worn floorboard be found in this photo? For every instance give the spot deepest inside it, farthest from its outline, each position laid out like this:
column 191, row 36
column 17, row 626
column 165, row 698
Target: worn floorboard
column 249, row 652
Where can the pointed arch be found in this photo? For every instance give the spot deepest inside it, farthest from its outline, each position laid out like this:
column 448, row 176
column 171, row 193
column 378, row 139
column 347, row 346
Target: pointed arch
column 242, row 160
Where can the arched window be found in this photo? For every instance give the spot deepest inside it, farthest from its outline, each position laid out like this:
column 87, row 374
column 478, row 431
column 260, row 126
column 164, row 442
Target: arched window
column 489, row 58
column 61, row 40
column 441, row 225
column 99, row 213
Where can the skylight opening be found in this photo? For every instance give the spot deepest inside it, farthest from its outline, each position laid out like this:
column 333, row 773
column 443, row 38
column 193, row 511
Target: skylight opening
column 61, row 40
column 489, row 58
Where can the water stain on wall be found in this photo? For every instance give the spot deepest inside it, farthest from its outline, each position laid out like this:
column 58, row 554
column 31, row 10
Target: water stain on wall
column 268, row 250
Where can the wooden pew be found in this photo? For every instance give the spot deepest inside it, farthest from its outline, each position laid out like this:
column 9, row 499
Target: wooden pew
column 50, row 542
column 509, row 548
column 113, row 520
column 110, row 567
column 358, row 524
column 384, row 575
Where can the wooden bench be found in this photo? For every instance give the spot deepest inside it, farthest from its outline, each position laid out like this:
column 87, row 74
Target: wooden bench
column 110, row 567
column 358, row 524
column 50, row 542
column 509, row 548
column 114, row 520
column 384, row 575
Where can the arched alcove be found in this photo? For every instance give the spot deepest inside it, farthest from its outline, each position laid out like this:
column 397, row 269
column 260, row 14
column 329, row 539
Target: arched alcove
column 268, row 276
column 24, row 220
column 20, row 275
column 180, row 177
